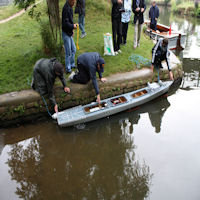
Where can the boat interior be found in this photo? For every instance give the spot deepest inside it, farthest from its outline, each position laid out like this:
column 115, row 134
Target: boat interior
column 139, row 94
column 118, row 100
column 95, row 107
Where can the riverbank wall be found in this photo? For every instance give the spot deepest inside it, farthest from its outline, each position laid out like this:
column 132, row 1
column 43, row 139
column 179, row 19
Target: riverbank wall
column 26, row 106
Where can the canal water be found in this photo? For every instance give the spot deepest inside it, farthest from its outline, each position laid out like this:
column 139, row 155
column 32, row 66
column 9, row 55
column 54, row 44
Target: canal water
column 148, row 153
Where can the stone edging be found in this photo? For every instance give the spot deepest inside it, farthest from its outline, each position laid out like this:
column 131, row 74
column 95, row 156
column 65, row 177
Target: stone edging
column 23, row 105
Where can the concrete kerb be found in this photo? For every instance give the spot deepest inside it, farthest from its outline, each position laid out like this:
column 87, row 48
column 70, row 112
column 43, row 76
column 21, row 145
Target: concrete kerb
column 23, row 104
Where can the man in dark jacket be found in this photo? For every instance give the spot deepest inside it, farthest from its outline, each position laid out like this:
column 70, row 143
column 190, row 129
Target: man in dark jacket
column 80, row 10
column 153, row 15
column 88, row 64
column 161, row 52
column 67, row 34
column 44, row 75
column 117, row 24
column 138, row 8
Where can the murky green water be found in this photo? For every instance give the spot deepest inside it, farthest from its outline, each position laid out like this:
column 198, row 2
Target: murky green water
column 149, row 153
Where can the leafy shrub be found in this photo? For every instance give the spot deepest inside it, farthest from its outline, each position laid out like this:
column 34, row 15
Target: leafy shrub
column 50, row 46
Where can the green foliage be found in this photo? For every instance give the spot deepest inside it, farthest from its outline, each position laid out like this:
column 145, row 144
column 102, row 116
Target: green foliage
column 20, row 109
column 24, row 3
column 50, row 47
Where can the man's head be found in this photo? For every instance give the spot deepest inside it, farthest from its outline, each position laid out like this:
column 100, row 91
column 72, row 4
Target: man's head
column 71, row 2
column 58, row 68
column 165, row 42
column 153, row 3
column 100, row 64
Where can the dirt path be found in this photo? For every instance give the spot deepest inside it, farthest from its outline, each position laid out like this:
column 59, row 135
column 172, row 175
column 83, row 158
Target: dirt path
column 17, row 14
column 12, row 17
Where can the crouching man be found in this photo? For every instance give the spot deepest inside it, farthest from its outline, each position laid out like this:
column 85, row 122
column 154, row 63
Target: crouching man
column 44, row 75
column 88, row 64
column 160, row 52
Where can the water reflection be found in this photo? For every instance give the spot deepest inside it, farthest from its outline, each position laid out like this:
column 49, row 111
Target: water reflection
column 99, row 165
column 191, row 77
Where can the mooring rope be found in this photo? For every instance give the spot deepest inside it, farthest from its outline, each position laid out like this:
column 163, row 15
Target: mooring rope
column 45, row 103
column 139, row 60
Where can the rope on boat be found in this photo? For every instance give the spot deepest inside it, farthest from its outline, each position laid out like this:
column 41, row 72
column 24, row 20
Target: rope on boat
column 45, row 103
column 139, row 60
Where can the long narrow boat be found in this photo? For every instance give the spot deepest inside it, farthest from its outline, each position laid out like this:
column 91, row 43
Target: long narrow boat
column 177, row 39
column 82, row 114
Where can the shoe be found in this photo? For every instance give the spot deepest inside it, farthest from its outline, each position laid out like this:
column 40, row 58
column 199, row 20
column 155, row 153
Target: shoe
column 71, row 76
column 119, row 51
column 138, row 45
column 134, row 46
column 116, row 53
column 83, row 35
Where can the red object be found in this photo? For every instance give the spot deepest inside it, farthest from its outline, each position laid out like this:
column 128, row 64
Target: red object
column 170, row 30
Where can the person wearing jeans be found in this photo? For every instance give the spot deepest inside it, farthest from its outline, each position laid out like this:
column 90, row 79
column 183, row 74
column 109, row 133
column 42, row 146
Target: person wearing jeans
column 70, row 51
column 138, row 8
column 80, row 9
column 67, row 34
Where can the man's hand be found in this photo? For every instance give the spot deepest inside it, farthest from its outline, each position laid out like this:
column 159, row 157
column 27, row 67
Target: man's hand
column 152, row 67
column 56, row 108
column 156, row 19
column 171, row 76
column 67, row 90
column 75, row 26
column 137, row 9
column 98, row 99
column 103, row 80
column 142, row 10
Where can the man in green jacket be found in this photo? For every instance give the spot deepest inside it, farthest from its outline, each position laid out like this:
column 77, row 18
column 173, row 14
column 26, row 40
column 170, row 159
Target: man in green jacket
column 44, row 75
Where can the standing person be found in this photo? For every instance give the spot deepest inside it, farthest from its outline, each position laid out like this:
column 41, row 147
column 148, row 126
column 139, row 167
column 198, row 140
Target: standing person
column 117, row 24
column 153, row 15
column 44, row 75
column 138, row 8
column 126, row 19
column 67, row 34
column 161, row 52
column 80, row 9
column 88, row 64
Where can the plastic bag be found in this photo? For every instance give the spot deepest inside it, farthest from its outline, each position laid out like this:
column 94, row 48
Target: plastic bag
column 108, row 45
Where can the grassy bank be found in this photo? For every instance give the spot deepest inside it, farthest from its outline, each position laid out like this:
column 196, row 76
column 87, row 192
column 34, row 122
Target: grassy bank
column 21, row 45
column 185, row 8
column 7, row 11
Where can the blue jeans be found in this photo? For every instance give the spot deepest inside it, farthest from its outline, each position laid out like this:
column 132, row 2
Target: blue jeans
column 81, row 22
column 70, row 50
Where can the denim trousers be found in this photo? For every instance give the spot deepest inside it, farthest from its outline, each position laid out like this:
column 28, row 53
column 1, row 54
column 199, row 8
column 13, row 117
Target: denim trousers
column 81, row 22
column 70, row 50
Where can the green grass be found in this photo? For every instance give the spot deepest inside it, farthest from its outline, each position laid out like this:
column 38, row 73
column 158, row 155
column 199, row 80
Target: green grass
column 20, row 46
column 7, row 11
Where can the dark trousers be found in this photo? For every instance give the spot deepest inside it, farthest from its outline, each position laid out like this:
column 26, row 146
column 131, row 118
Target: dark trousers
column 153, row 26
column 158, row 61
column 82, row 76
column 124, row 32
column 117, row 33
